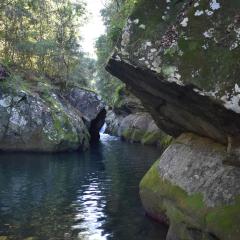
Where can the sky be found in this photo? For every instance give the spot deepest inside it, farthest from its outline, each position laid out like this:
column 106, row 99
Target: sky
column 94, row 28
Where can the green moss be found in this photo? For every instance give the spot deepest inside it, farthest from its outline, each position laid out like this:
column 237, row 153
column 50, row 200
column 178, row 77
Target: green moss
column 225, row 221
column 4, row 238
column 127, row 134
column 152, row 15
column 118, row 99
column 137, row 135
column 160, row 196
column 132, row 134
column 151, row 138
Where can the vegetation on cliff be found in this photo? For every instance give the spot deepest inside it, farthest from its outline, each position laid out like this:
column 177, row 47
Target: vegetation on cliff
column 115, row 16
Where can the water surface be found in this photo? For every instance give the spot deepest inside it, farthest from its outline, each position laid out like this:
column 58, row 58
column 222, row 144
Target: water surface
column 82, row 196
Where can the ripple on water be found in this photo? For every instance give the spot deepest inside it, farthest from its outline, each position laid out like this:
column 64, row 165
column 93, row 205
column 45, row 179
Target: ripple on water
column 77, row 196
column 89, row 207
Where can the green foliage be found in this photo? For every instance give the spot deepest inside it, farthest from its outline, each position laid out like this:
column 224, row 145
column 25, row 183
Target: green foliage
column 43, row 36
column 114, row 15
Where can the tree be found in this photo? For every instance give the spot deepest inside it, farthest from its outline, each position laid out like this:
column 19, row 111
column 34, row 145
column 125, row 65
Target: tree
column 114, row 16
column 42, row 36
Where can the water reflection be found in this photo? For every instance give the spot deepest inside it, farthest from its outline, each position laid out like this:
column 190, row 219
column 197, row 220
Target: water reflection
column 78, row 196
column 90, row 206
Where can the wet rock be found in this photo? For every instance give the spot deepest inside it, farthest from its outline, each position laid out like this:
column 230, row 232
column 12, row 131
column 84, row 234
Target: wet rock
column 113, row 121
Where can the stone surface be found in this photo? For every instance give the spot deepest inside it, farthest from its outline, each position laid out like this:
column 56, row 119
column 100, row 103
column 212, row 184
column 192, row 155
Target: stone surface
column 125, row 102
column 29, row 122
column 113, row 121
column 199, row 195
column 181, row 59
column 91, row 107
column 140, row 127
column 184, row 65
column 129, row 120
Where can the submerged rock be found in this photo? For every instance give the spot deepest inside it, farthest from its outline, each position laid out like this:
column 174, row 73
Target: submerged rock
column 193, row 191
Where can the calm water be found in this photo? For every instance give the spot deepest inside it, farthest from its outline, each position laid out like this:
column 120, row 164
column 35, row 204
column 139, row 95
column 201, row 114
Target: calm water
column 84, row 196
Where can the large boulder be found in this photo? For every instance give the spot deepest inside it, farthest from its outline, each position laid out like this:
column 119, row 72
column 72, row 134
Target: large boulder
column 130, row 121
column 90, row 106
column 30, row 122
column 181, row 58
column 190, row 189
column 140, row 127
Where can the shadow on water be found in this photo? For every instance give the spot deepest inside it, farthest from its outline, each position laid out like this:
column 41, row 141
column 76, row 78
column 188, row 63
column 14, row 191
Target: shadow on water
column 85, row 196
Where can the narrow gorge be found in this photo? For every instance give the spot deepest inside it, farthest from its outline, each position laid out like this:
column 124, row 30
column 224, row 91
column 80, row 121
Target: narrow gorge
column 132, row 133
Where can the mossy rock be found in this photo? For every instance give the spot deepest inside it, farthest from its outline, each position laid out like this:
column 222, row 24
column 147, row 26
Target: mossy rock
column 35, row 117
column 206, row 211
column 4, row 238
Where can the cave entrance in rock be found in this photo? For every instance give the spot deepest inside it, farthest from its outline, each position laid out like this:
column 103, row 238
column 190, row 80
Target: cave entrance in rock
column 96, row 126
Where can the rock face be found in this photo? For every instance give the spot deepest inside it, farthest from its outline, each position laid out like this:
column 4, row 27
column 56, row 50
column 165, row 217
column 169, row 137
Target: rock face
column 37, row 117
column 181, row 59
column 191, row 189
column 90, row 106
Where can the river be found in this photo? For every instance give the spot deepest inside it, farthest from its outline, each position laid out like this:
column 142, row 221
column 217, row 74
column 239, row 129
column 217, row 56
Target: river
column 91, row 195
